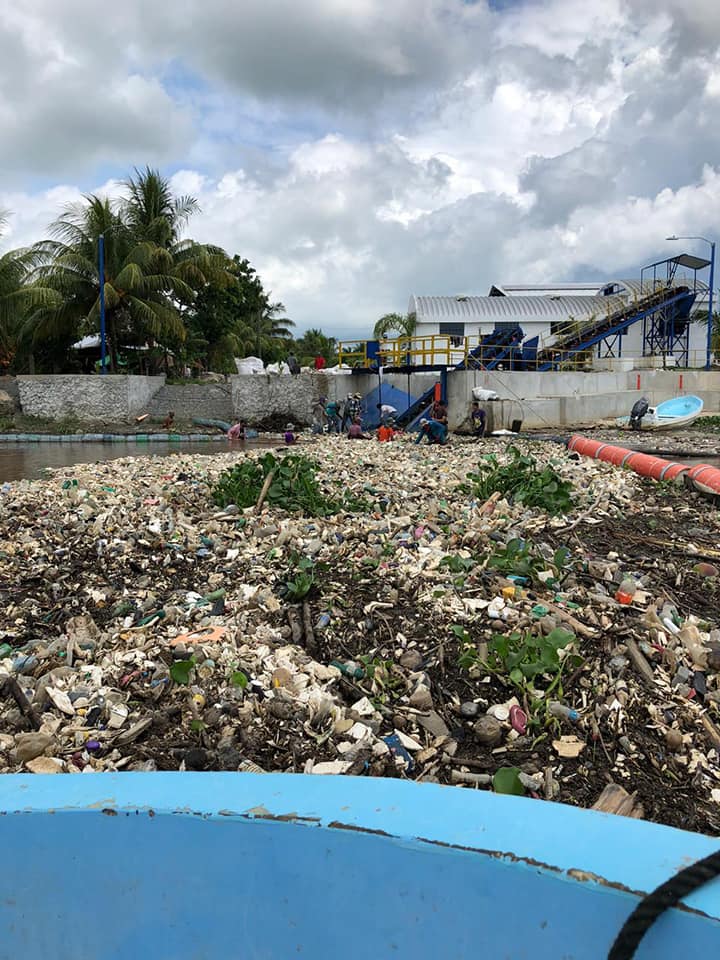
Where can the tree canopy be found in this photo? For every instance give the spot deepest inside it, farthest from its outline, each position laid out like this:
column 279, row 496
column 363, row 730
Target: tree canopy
column 170, row 302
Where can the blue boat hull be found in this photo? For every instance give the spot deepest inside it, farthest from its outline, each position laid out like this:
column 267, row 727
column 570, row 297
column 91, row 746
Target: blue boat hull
column 179, row 866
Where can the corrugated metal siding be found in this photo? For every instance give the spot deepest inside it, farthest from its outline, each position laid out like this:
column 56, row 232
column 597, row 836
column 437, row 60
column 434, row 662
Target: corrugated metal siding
column 504, row 309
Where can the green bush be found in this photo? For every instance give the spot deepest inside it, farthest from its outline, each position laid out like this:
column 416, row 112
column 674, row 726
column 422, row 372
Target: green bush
column 294, row 486
column 523, row 482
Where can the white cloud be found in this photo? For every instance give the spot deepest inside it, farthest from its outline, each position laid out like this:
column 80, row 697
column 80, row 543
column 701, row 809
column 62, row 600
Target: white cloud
column 357, row 151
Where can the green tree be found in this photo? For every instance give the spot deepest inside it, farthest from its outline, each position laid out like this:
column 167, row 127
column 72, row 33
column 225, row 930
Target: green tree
column 399, row 324
column 13, row 270
column 141, row 290
column 222, row 318
column 269, row 336
column 151, row 273
column 314, row 343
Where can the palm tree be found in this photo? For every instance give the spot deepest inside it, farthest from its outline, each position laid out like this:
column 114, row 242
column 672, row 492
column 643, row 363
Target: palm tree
column 152, row 212
column 402, row 325
column 140, row 287
column 14, row 298
column 270, row 334
column 154, row 215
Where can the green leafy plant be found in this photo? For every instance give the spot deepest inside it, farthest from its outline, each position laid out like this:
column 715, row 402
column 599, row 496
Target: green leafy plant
column 522, row 481
column 294, row 486
column 297, row 588
column 525, row 657
column 507, row 781
column 457, row 564
column 181, row 669
column 524, row 560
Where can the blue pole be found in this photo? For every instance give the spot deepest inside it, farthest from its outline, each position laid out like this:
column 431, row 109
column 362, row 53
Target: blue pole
column 708, row 359
column 101, row 272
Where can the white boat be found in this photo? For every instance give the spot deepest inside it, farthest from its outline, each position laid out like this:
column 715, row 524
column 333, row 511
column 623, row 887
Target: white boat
column 669, row 415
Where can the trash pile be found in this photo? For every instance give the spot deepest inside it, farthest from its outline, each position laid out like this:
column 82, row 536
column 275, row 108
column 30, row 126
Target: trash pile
column 431, row 629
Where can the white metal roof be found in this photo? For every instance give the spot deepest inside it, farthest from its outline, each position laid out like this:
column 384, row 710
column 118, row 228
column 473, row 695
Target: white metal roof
column 551, row 309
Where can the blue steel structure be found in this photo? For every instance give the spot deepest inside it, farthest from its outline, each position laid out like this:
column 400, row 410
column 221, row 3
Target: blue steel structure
column 101, row 277
column 711, row 243
column 186, row 866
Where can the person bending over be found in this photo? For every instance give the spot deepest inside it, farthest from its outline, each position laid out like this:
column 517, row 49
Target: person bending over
column 435, row 432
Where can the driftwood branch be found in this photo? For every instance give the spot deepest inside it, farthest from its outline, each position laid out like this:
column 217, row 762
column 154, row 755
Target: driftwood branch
column 615, row 799
column 263, row 492
column 12, row 688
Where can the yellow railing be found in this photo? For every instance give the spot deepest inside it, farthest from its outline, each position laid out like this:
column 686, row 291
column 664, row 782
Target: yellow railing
column 353, row 353
column 554, row 340
column 437, row 349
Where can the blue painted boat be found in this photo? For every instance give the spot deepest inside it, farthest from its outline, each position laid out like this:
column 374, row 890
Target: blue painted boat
column 670, row 414
column 176, row 866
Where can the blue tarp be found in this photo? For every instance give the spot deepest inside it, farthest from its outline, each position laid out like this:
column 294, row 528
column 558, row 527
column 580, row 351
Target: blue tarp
column 390, row 395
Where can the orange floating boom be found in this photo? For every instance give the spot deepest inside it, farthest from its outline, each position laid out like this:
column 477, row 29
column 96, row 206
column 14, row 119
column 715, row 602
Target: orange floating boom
column 704, row 476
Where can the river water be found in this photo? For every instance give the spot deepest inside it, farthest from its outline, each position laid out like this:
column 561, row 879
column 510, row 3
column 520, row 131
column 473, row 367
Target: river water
column 20, row 460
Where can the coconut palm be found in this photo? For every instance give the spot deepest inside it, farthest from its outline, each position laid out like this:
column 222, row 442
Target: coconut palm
column 152, row 212
column 269, row 335
column 140, row 286
column 14, row 298
column 154, row 215
column 401, row 325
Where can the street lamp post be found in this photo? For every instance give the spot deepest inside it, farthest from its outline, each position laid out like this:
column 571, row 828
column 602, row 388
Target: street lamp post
column 708, row 355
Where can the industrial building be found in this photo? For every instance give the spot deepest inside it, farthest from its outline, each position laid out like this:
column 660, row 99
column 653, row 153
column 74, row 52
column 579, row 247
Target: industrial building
column 658, row 320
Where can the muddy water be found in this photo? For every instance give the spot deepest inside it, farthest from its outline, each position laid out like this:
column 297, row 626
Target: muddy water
column 20, row 460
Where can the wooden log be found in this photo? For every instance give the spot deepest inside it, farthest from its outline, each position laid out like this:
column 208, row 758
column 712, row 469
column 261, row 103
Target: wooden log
column 711, row 730
column 568, row 618
column 310, row 644
column 263, row 492
column 11, row 688
column 295, row 622
column 638, row 658
column 615, row 799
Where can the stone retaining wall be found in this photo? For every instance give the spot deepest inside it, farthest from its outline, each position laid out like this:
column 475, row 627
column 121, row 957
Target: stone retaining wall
column 258, row 396
column 207, row 401
column 110, row 397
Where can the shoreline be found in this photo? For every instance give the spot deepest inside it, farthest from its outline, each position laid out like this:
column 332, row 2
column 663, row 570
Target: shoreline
column 101, row 583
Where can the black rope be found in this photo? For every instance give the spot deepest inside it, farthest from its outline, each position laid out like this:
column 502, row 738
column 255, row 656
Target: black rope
column 656, row 903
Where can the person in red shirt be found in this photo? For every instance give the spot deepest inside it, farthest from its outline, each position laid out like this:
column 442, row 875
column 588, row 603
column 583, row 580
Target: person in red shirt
column 319, row 362
column 355, row 431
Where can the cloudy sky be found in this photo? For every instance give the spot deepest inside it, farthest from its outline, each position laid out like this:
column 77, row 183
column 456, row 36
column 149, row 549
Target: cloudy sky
column 358, row 151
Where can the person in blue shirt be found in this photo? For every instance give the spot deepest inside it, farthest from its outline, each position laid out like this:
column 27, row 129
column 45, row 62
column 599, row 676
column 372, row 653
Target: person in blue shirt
column 478, row 420
column 435, row 431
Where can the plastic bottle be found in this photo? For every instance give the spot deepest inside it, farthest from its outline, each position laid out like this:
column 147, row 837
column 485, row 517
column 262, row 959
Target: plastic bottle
column 349, row 669
column 626, row 591
column 562, row 712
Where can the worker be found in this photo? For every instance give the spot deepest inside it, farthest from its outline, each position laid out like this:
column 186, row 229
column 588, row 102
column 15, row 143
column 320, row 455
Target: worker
column 434, row 430
column 439, row 411
column 386, row 432
column 169, row 420
column 237, row 431
column 355, row 431
column 386, row 411
column 332, row 412
column 289, row 435
column 478, row 420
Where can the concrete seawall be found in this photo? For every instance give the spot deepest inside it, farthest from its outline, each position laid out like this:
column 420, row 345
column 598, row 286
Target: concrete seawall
column 539, row 400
